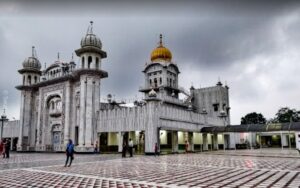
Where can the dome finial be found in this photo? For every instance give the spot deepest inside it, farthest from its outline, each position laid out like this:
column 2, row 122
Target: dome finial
column 57, row 56
column 90, row 28
column 160, row 40
column 32, row 51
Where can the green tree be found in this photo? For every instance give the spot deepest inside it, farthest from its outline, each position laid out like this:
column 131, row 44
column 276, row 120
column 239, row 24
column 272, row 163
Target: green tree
column 253, row 118
column 286, row 114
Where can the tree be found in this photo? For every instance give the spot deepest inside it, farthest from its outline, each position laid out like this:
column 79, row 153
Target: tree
column 253, row 118
column 285, row 115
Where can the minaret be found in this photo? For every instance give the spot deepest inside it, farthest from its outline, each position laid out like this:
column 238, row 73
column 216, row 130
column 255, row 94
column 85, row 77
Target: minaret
column 90, row 73
column 31, row 75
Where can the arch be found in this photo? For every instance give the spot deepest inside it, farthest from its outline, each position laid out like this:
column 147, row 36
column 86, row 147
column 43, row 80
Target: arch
column 24, row 80
column 29, row 79
column 52, row 105
column 89, row 61
column 35, row 79
column 160, row 81
column 155, row 82
column 150, row 82
column 82, row 62
column 97, row 63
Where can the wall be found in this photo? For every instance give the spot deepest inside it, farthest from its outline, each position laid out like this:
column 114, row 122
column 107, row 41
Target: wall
column 10, row 129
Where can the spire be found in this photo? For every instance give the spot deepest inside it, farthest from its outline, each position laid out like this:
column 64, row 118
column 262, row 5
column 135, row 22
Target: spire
column 219, row 82
column 160, row 40
column 90, row 28
column 32, row 51
column 72, row 57
column 57, row 56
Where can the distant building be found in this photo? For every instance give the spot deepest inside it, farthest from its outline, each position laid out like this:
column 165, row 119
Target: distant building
column 62, row 102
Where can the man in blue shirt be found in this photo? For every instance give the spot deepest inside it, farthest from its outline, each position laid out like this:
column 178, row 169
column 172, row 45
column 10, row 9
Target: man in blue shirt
column 70, row 152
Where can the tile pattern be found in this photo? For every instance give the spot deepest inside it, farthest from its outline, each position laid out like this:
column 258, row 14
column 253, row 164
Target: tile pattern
column 184, row 170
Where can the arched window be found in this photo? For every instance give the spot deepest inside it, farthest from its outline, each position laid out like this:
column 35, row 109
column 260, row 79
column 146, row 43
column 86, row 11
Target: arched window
column 155, row 82
column 52, row 105
column 89, row 61
column 35, row 79
column 160, row 81
column 174, row 83
column 170, row 82
column 97, row 63
column 82, row 62
column 150, row 82
column 24, row 80
column 29, row 80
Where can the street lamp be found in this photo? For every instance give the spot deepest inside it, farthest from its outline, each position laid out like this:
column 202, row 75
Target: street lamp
column 2, row 119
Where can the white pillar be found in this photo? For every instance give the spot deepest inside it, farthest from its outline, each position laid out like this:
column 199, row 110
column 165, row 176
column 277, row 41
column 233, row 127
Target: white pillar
column 67, row 113
column 120, row 141
column 205, row 141
column 191, row 141
column 216, row 145
column 89, row 112
column 82, row 110
column 174, row 141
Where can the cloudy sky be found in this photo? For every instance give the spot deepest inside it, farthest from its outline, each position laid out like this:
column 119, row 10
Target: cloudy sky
column 254, row 46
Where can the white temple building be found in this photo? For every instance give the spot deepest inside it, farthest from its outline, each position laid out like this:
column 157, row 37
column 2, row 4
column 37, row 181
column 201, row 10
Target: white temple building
column 62, row 102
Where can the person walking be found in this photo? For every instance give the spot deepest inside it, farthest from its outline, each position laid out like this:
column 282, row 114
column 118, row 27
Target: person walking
column 124, row 150
column 69, row 153
column 7, row 148
column 156, row 150
column 130, row 147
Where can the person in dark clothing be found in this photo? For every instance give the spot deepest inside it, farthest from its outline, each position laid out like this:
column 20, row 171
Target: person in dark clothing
column 156, row 150
column 7, row 148
column 70, row 152
column 124, row 149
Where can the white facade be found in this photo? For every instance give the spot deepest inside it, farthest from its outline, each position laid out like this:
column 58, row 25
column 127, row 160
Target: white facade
column 63, row 102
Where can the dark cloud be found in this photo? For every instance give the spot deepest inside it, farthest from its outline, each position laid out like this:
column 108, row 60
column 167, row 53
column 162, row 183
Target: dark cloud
column 245, row 42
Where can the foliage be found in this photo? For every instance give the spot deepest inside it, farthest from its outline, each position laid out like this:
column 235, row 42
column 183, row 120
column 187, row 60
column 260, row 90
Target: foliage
column 253, row 118
column 286, row 114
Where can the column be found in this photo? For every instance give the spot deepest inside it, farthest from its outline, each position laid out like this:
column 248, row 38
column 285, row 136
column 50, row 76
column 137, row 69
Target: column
column 89, row 112
column 191, row 141
column 120, row 141
column 38, row 128
column 205, row 141
column 216, row 145
column 174, row 141
column 67, row 113
column 82, row 110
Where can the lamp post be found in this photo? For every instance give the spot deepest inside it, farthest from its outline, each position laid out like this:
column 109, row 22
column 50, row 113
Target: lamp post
column 3, row 119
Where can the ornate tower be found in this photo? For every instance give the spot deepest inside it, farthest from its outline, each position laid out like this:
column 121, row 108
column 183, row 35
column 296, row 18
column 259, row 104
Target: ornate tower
column 90, row 73
column 161, row 74
column 31, row 76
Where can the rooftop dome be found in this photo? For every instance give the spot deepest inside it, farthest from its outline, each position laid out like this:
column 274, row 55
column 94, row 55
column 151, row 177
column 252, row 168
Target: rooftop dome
column 32, row 62
column 161, row 52
column 91, row 39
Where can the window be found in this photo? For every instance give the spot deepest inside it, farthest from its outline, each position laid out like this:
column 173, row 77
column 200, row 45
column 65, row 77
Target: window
column 216, row 107
column 89, row 61
column 35, row 79
column 82, row 62
column 160, row 81
column 155, row 82
column 97, row 63
column 29, row 79
column 150, row 82
column 23, row 80
column 52, row 105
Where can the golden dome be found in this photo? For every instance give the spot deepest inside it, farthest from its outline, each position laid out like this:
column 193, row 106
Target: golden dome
column 161, row 52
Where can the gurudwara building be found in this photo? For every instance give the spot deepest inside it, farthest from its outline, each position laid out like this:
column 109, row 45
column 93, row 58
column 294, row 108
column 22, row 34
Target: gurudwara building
column 62, row 102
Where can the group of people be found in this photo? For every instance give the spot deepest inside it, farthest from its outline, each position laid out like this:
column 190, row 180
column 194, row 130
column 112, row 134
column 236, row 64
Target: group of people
column 129, row 148
column 4, row 148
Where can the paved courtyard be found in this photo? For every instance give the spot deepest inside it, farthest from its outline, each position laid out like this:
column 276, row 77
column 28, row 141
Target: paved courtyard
column 209, row 169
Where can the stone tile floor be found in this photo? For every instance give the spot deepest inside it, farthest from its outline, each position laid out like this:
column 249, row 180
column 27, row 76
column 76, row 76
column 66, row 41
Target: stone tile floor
column 209, row 169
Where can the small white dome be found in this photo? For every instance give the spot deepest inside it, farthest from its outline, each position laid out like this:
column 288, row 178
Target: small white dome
column 91, row 40
column 152, row 93
column 32, row 63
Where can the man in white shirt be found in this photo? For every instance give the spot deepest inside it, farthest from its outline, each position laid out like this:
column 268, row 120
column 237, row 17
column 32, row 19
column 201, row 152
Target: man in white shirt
column 130, row 144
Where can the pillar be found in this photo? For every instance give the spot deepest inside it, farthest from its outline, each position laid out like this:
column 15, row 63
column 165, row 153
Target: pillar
column 83, row 83
column 174, row 141
column 120, row 141
column 67, row 113
column 215, row 142
column 205, row 141
column 89, row 112
column 191, row 141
